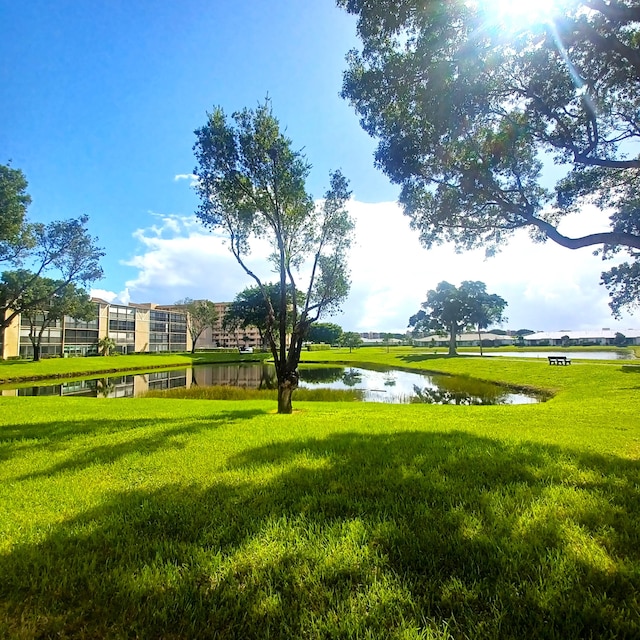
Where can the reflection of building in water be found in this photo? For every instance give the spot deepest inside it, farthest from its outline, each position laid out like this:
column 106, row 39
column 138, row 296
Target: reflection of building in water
column 160, row 380
column 251, row 376
column 110, row 387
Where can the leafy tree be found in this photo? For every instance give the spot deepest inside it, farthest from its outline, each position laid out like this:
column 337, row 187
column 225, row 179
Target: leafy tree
column 466, row 106
column 15, row 237
column 351, row 340
column 326, row 332
column 452, row 309
column 201, row 314
column 252, row 188
column 47, row 301
column 387, row 338
column 61, row 250
column 485, row 308
column 620, row 340
column 249, row 309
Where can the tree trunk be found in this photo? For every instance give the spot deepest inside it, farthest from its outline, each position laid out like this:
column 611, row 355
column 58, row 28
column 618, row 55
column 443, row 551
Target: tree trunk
column 286, row 386
column 3, row 324
column 36, row 353
column 480, row 340
column 452, row 340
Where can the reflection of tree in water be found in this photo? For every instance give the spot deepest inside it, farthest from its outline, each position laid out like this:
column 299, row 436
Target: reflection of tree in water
column 458, row 396
column 323, row 374
column 488, row 392
column 268, row 378
column 389, row 380
column 351, row 377
column 104, row 386
column 440, row 396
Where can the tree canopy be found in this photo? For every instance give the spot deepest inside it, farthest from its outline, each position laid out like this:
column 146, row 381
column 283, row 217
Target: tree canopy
column 252, row 188
column 325, row 332
column 61, row 251
column 453, row 309
column 468, row 107
column 351, row 339
column 249, row 308
column 14, row 200
column 201, row 315
column 45, row 301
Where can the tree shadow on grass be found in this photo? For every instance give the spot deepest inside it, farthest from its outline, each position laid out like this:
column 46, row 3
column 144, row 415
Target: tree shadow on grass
column 425, row 357
column 630, row 368
column 55, row 436
column 349, row 536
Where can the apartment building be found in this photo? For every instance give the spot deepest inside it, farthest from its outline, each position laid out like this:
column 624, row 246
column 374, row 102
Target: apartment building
column 134, row 328
column 217, row 337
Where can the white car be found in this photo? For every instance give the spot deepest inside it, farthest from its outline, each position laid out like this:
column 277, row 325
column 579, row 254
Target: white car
column 245, row 349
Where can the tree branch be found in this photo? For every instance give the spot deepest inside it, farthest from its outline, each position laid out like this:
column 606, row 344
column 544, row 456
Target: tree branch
column 606, row 237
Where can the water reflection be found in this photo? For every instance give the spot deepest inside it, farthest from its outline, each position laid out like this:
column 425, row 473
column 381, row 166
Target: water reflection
column 382, row 385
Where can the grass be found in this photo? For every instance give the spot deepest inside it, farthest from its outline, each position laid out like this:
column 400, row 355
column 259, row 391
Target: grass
column 24, row 370
column 226, row 392
column 164, row 518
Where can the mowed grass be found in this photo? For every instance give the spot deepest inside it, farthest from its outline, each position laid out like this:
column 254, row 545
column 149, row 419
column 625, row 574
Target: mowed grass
column 220, row 519
column 17, row 370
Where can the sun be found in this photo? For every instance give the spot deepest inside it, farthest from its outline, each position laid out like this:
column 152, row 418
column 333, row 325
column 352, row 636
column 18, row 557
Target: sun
column 518, row 14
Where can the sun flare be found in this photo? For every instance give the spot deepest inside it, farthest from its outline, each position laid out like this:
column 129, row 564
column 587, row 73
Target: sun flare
column 516, row 14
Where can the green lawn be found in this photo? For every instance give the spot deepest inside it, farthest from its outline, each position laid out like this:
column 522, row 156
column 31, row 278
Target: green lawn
column 220, row 519
column 17, row 370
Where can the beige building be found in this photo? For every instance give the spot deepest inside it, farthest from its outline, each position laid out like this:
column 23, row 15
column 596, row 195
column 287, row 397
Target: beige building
column 135, row 328
column 219, row 338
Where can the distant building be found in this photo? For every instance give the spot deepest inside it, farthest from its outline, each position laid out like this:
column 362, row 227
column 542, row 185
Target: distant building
column 602, row 337
column 218, row 337
column 466, row 340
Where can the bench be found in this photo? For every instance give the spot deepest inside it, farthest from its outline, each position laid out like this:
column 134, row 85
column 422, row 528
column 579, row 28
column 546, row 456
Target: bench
column 557, row 360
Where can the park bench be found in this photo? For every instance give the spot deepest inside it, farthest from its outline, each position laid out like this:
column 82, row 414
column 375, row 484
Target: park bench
column 559, row 360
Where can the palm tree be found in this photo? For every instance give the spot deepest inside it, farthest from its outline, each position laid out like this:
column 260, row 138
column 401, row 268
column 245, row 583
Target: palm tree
column 106, row 345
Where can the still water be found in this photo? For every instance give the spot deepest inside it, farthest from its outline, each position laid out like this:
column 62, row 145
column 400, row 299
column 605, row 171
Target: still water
column 388, row 385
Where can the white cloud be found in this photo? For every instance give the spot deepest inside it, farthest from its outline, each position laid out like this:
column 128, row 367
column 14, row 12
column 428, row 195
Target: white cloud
column 187, row 176
column 180, row 258
column 546, row 286
column 111, row 296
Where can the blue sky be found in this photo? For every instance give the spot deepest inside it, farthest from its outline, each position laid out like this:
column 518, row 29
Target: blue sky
column 100, row 101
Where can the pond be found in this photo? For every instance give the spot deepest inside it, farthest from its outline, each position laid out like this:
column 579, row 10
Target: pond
column 380, row 385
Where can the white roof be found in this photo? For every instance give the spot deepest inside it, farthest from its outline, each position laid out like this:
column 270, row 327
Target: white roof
column 588, row 334
column 466, row 337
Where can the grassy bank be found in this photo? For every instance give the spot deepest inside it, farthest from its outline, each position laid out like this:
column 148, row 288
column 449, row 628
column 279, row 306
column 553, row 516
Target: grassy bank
column 23, row 370
column 173, row 518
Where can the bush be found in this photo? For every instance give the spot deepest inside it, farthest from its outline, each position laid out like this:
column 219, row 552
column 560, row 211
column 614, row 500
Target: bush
column 320, row 346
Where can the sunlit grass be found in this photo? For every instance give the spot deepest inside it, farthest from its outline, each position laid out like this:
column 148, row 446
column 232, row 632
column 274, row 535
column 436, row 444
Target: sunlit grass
column 165, row 518
column 16, row 370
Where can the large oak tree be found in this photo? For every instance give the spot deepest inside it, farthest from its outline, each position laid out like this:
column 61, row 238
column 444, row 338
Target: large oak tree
column 251, row 184
column 468, row 107
column 452, row 309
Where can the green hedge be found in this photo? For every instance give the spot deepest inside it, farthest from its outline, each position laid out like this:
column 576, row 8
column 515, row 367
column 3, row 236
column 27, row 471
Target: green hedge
column 320, row 346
